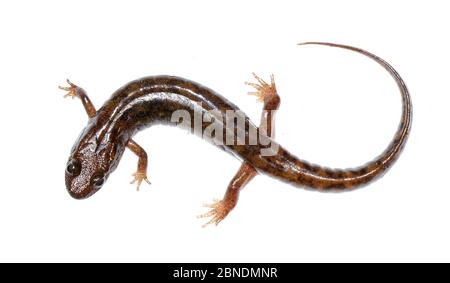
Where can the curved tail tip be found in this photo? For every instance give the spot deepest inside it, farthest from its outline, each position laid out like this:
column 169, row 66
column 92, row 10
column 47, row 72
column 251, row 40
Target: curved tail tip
column 317, row 43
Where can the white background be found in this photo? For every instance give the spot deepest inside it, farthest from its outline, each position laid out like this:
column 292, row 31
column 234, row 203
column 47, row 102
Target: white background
column 338, row 109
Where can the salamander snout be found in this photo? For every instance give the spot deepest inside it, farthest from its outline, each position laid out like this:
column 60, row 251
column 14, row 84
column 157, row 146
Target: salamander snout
column 82, row 181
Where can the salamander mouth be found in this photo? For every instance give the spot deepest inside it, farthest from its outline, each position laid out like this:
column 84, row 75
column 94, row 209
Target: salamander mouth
column 82, row 194
column 79, row 192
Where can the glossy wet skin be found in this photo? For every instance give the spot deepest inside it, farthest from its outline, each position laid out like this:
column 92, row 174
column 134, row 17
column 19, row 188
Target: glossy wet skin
column 91, row 162
column 150, row 100
column 135, row 106
column 153, row 100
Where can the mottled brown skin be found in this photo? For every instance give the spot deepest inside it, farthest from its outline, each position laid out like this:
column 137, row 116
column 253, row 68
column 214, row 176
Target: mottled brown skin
column 152, row 100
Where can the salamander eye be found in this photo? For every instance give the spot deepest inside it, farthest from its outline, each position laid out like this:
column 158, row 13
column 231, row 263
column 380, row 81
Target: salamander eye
column 98, row 180
column 73, row 168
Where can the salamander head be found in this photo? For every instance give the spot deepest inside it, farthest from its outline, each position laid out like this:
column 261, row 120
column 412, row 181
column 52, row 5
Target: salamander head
column 89, row 166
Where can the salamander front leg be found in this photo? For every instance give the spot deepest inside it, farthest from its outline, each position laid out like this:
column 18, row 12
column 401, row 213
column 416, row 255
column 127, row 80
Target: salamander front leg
column 266, row 93
column 141, row 173
column 76, row 91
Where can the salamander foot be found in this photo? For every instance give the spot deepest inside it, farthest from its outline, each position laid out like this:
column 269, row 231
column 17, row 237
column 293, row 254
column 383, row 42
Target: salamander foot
column 219, row 211
column 71, row 89
column 264, row 91
column 139, row 177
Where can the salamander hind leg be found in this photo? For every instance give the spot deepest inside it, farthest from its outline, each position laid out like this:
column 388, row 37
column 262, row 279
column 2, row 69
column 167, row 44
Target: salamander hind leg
column 221, row 208
column 266, row 93
column 141, row 173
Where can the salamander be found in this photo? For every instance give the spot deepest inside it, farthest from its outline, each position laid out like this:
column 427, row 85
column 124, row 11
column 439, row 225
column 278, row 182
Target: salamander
column 167, row 99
